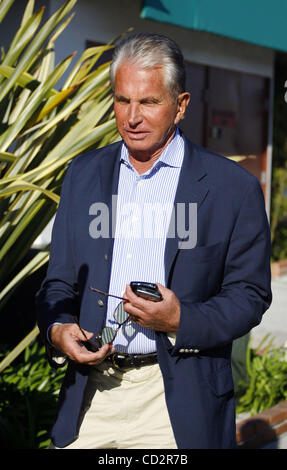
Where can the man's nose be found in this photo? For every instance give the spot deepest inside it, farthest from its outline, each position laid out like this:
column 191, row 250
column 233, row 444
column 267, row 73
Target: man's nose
column 134, row 115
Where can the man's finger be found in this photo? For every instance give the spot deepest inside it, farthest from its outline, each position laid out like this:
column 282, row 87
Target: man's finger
column 101, row 355
column 136, row 300
column 83, row 356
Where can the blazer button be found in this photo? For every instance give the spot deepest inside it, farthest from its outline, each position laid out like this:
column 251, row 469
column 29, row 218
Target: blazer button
column 106, row 257
column 100, row 303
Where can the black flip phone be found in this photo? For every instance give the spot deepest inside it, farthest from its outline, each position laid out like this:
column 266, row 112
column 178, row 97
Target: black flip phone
column 147, row 290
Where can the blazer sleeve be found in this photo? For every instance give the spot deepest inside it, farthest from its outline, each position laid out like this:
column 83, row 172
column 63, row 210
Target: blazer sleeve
column 57, row 300
column 245, row 292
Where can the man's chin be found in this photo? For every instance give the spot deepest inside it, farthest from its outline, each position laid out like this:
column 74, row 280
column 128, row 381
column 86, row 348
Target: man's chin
column 138, row 145
column 137, row 140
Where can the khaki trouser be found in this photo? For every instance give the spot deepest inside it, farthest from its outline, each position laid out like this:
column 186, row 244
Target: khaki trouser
column 125, row 409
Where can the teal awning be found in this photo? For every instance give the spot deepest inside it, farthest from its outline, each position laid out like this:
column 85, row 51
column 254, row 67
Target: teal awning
column 261, row 22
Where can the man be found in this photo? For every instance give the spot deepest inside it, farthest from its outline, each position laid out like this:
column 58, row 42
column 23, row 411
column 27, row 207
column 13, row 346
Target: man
column 164, row 380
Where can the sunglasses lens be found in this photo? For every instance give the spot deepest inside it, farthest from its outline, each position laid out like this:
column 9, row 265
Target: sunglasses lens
column 120, row 314
column 108, row 335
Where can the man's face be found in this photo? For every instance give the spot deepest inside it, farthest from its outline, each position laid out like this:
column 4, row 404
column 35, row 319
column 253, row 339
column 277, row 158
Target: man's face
column 145, row 113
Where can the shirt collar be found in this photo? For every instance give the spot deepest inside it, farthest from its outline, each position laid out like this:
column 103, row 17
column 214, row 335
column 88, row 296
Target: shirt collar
column 171, row 156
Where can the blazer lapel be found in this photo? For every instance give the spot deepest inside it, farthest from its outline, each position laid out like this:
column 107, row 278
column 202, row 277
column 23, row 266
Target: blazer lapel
column 109, row 177
column 192, row 188
column 109, row 172
column 108, row 169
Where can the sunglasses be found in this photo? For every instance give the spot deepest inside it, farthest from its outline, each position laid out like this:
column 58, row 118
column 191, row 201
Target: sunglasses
column 108, row 334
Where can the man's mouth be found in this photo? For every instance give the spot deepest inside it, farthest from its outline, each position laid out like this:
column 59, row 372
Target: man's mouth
column 136, row 134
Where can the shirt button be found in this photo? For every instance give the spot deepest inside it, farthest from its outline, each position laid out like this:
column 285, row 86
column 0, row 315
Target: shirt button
column 100, row 303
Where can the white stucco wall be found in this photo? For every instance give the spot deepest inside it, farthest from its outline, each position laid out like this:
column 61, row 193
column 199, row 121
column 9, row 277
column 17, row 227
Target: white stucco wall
column 103, row 20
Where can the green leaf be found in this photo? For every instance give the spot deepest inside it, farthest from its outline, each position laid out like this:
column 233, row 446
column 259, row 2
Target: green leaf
column 33, row 104
column 23, row 36
column 19, row 349
column 5, row 5
column 28, row 11
column 25, row 80
column 8, row 157
column 55, row 101
column 30, row 54
column 19, row 185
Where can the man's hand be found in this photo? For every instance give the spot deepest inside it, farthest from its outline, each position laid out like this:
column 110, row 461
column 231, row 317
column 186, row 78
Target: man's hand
column 67, row 338
column 160, row 316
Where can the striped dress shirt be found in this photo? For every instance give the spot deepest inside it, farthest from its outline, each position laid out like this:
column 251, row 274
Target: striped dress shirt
column 144, row 207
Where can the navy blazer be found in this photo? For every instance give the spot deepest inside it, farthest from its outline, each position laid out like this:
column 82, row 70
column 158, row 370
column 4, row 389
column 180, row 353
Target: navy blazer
column 223, row 285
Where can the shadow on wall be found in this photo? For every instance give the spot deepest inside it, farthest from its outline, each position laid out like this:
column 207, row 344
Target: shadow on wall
column 253, row 433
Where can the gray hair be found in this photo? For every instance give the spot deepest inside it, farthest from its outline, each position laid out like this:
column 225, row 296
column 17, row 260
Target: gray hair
column 149, row 50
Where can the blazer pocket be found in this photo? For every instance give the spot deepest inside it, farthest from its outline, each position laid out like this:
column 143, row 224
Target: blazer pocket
column 221, row 381
column 202, row 254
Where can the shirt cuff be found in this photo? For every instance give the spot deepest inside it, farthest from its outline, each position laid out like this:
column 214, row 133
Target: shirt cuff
column 56, row 356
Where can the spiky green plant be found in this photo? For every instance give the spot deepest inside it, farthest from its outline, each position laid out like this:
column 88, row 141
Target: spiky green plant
column 41, row 129
column 266, row 383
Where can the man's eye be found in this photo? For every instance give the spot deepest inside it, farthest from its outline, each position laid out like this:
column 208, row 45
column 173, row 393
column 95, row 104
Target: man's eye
column 150, row 102
column 121, row 100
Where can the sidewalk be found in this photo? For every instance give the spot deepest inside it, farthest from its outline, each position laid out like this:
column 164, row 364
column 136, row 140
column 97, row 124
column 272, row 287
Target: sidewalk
column 275, row 319
column 274, row 322
column 280, row 443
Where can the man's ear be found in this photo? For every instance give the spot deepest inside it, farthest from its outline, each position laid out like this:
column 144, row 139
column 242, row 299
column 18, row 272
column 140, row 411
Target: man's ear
column 182, row 103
